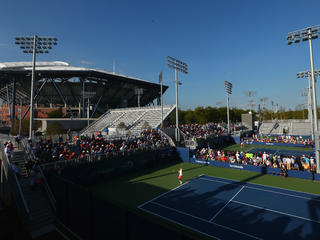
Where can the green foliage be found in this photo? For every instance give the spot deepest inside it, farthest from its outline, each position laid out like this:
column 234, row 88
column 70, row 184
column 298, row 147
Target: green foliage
column 208, row 114
column 55, row 114
column 145, row 126
column 25, row 124
column 212, row 114
column 54, row 128
column 122, row 126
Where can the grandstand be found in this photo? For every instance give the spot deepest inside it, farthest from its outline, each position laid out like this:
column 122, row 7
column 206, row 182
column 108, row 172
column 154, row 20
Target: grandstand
column 292, row 127
column 133, row 118
column 59, row 85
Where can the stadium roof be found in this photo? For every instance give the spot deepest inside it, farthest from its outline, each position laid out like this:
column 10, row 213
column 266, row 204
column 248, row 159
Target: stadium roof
column 59, row 66
column 112, row 88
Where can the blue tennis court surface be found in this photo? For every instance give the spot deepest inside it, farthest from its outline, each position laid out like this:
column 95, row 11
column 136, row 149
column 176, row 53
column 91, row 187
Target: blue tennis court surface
column 226, row 209
column 283, row 152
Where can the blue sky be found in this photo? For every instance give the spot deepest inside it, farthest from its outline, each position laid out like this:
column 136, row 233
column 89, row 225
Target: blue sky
column 241, row 41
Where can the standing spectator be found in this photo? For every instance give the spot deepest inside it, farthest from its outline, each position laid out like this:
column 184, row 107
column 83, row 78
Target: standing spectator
column 69, row 135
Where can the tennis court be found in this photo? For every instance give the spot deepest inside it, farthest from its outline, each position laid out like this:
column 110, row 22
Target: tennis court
column 284, row 152
column 227, row 209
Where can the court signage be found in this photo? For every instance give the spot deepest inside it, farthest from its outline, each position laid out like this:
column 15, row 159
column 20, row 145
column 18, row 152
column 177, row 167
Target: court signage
column 235, row 166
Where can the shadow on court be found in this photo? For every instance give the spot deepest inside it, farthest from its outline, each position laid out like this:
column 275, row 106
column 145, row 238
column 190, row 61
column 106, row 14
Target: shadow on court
column 202, row 201
column 167, row 174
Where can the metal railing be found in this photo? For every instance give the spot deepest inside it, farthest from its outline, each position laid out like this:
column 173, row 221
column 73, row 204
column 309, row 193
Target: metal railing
column 29, row 152
column 15, row 187
column 48, row 190
column 171, row 142
column 96, row 157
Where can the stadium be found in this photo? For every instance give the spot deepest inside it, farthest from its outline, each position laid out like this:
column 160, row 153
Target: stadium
column 68, row 87
column 92, row 154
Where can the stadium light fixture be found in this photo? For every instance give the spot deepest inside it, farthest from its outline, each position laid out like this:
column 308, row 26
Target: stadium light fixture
column 310, row 33
column 250, row 95
column 228, row 88
column 307, row 74
column 177, row 65
column 34, row 45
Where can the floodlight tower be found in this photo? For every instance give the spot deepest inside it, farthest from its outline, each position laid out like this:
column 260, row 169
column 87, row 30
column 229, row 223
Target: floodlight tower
column 34, row 45
column 138, row 92
column 304, row 93
column 307, row 74
column 161, row 97
column 228, row 88
column 250, row 94
column 177, row 65
column 308, row 34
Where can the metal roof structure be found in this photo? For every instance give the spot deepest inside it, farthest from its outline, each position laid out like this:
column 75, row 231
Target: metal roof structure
column 59, row 83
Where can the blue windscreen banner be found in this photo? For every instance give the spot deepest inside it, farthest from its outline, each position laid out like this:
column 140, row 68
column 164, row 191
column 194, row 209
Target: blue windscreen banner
column 237, row 139
column 279, row 144
column 184, row 153
column 259, row 169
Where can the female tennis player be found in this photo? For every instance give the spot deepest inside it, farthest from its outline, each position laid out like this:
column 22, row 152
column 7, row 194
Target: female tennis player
column 180, row 175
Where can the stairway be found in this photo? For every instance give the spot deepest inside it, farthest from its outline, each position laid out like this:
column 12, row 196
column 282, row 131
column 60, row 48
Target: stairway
column 41, row 212
column 19, row 159
column 42, row 215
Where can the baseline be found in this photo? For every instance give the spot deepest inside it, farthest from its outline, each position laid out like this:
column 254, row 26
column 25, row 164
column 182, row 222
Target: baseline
column 198, row 218
column 141, row 205
column 249, row 185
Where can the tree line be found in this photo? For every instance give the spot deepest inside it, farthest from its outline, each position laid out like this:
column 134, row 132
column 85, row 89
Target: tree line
column 212, row 114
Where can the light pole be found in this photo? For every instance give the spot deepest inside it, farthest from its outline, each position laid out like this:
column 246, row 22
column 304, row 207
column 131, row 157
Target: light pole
column 304, row 93
column 308, row 34
column 307, row 74
column 182, row 67
column 228, row 88
column 250, row 95
column 89, row 95
column 34, row 45
column 138, row 92
column 161, row 97
column 20, row 116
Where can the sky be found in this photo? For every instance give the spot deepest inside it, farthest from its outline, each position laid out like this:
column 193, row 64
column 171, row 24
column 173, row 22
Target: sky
column 240, row 41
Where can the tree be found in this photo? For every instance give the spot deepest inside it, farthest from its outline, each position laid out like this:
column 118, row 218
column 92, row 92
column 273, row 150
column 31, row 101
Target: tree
column 54, row 128
column 55, row 113
column 145, row 126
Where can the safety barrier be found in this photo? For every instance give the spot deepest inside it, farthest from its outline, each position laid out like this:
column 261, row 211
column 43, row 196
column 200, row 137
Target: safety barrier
column 260, row 169
column 184, row 155
column 91, row 217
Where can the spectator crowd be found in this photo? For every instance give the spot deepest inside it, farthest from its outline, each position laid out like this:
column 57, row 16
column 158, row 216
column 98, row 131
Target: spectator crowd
column 302, row 163
column 202, row 130
column 280, row 139
column 50, row 151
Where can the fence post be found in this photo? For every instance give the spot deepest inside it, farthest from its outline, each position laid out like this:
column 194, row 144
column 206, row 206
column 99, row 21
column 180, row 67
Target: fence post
column 68, row 204
column 126, row 224
column 92, row 222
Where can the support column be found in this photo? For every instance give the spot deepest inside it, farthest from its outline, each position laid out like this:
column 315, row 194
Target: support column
column 83, row 96
column 13, row 116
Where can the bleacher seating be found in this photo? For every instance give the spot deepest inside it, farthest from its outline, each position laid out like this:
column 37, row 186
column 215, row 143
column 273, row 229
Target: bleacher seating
column 134, row 119
column 294, row 127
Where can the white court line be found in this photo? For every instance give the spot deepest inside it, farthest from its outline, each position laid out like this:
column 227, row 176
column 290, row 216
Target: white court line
column 291, row 215
column 264, row 185
column 287, row 194
column 225, row 205
column 169, row 191
column 181, row 224
column 231, row 229
column 163, row 194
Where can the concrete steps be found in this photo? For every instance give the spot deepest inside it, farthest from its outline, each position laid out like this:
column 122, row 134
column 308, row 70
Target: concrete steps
column 42, row 215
